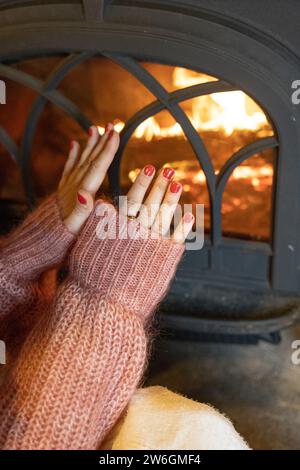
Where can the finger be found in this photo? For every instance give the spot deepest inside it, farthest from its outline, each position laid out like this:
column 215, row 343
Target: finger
column 91, row 143
column 152, row 204
column 97, row 170
column 183, row 228
column 136, row 194
column 163, row 219
column 83, row 207
column 71, row 160
column 94, row 152
column 101, row 143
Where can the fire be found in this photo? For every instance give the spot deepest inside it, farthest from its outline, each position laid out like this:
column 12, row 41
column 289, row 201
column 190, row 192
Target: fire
column 225, row 112
column 233, row 113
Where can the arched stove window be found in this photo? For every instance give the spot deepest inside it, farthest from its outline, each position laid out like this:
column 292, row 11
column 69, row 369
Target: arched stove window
column 200, row 108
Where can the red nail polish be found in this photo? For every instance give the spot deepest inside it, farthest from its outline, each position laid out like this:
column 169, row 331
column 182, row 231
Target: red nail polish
column 72, row 145
column 90, row 131
column 107, row 127
column 110, row 134
column 175, row 187
column 81, row 199
column 188, row 218
column 149, row 170
column 168, row 173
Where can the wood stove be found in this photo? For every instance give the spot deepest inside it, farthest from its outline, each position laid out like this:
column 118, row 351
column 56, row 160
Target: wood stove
column 246, row 279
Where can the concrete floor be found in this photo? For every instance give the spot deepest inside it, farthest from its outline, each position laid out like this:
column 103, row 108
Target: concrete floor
column 258, row 387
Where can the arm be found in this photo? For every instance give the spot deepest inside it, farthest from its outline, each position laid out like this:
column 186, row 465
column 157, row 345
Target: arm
column 80, row 365
column 40, row 243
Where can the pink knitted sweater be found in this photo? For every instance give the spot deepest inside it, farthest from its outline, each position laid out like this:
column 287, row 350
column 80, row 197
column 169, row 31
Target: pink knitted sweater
column 85, row 353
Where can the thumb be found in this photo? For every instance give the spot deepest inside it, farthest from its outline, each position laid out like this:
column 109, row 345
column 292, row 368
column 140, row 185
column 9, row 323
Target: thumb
column 79, row 215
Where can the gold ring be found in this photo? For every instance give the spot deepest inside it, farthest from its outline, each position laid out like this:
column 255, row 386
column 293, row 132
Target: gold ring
column 131, row 217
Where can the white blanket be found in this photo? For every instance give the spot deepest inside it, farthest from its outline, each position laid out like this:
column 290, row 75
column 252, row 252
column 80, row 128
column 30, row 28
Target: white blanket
column 158, row 419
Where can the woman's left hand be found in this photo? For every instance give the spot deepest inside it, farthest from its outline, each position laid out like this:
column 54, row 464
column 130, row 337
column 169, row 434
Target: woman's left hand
column 83, row 175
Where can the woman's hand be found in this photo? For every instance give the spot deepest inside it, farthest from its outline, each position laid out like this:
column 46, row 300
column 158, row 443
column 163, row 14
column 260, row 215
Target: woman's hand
column 129, row 255
column 156, row 212
column 83, row 175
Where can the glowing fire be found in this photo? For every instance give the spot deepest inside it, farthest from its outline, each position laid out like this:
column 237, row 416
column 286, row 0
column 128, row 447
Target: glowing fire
column 224, row 111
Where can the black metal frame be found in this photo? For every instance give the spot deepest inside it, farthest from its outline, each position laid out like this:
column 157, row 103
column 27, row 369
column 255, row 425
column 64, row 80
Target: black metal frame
column 176, row 33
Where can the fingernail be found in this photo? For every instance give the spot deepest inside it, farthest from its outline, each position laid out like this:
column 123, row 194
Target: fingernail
column 168, row 173
column 90, row 131
column 188, row 218
column 175, row 187
column 107, row 127
column 110, row 134
column 149, row 170
column 81, row 199
column 72, row 145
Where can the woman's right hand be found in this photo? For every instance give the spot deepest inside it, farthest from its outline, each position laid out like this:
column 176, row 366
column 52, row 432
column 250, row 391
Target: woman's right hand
column 154, row 208
column 83, row 175
column 128, row 255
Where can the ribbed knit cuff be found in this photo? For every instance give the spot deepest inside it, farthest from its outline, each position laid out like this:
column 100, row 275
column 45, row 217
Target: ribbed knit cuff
column 40, row 242
column 117, row 257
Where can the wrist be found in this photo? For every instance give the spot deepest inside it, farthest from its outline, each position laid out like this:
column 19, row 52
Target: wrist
column 116, row 257
column 40, row 242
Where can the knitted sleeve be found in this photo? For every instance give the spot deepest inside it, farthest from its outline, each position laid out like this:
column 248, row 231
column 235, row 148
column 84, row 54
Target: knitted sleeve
column 81, row 363
column 39, row 243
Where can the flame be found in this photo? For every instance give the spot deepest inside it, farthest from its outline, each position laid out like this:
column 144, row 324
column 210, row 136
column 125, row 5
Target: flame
column 184, row 77
column 233, row 113
column 225, row 111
